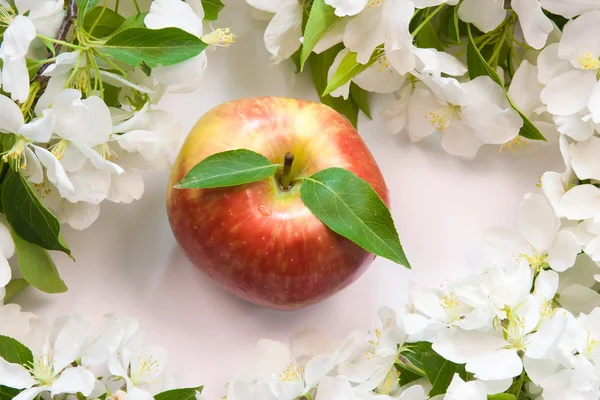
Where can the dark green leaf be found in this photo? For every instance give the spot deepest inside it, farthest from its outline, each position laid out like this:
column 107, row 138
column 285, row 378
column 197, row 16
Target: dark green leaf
column 153, row 46
column 102, row 22
column 37, row 267
column 83, row 8
column 347, row 70
column 428, row 38
column 111, row 95
column 478, row 66
column 179, row 394
column 361, row 98
column 501, row 396
column 319, row 66
column 135, row 21
column 296, row 59
column 406, row 375
column 28, row 216
column 14, row 287
column 212, row 9
column 440, row 372
column 349, row 206
column 321, row 20
column 7, row 393
column 412, row 354
column 229, row 168
column 14, row 352
column 455, row 24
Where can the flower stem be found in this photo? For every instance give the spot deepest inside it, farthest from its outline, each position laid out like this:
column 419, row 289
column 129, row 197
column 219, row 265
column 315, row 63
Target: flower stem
column 285, row 180
column 427, row 19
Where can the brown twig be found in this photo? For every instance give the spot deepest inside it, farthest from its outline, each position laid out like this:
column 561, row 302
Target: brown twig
column 70, row 17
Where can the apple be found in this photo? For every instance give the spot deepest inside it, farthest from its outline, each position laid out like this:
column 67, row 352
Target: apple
column 258, row 240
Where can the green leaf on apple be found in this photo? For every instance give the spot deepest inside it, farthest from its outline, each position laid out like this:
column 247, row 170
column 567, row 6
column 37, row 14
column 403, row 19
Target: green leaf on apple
column 321, row 20
column 37, row 267
column 228, row 168
column 478, row 66
column 154, row 47
column 349, row 206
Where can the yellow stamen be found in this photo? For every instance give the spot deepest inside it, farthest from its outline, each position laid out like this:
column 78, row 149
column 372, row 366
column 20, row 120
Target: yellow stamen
column 442, row 117
column 591, row 344
column 536, row 261
column 58, row 150
column 374, row 3
column 42, row 370
column 219, row 37
column 147, row 364
column 588, row 61
column 106, row 151
column 16, row 153
column 516, row 144
column 292, row 373
column 7, row 14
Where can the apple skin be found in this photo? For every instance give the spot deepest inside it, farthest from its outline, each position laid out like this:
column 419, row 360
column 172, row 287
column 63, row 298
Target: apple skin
column 257, row 241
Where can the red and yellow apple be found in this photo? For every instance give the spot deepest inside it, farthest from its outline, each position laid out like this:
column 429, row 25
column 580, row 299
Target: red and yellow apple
column 259, row 241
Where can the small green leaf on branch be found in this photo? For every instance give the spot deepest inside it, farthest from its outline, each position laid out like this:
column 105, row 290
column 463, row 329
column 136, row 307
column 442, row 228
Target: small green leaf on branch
column 321, row 20
column 28, row 216
column 348, row 69
column 155, row 47
column 14, row 351
column 180, row 394
column 440, row 372
column 212, row 9
column 102, row 22
column 83, row 8
column 228, row 168
column 349, row 206
column 37, row 267
column 14, row 287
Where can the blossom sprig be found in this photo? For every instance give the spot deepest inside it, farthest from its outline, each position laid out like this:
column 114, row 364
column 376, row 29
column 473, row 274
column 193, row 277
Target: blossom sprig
column 81, row 82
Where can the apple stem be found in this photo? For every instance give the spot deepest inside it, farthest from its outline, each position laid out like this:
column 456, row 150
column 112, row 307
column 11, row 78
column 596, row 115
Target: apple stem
column 286, row 177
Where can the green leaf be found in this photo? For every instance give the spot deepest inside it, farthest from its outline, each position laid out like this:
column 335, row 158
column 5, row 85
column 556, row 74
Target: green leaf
column 14, row 287
column 454, row 25
column 83, row 8
column 37, row 267
column 478, row 66
column 155, row 47
column 440, row 372
column 107, row 23
column 135, row 21
column 229, row 168
column 406, row 375
column 501, row 396
column 319, row 66
column 111, row 95
column 28, row 216
column 361, row 98
column 321, row 20
column 14, row 352
column 412, row 354
column 212, row 9
column 7, row 393
column 427, row 38
column 349, row 206
column 179, row 394
column 347, row 70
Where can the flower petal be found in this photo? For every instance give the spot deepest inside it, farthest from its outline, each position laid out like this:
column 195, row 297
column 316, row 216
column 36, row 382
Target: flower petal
column 15, row 78
column 343, row 7
column 563, row 251
column 7, row 246
column 74, row 380
column 436, row 62
column 126, row 187
column 546, row 339
column 364, row 33
column 550, row 65
column 459, row 389
column 272, row 6
column 334, row 388
column 15, row 375
column 569, row 93
column 54, row 171
column 47, row 16
column 184, row 77
column 421, row 104
column 64, row 63
column 535, row 25
column 175, row 14
column 17, row 37
column 525, row 89
column 399, row 48
column 332, row 37
column 484, row 14
column 67, row 347
column 344, row 90
column 135, row 393
column 594, row 103
column 553, row 189
column 460, row 346
column 546, row 285
column 5, row 271
column 580, row 202
column 501, row 364
column 578, row 40
column 579, row 299
column 31, row 393
column 537, row 222
column 574, row 125
column 379, row 79
column 282, row 36
column 571, row 8
column 40, row 129
column 460, row 140
column 540, row 369
column 11, row 118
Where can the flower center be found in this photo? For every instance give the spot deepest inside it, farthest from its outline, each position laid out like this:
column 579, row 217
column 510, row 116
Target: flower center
column 7, row 14
column 374, row 3
column 16, row 152
column 106, row 151
column 219, row 37
column 591, row 344
column 384, row 63
column 516, row 144
column 146, row 365
column 451, row 304
column 389, row 383
column 442, row 117
column 42, row 370
column 588, row 61
column 536, row 260
column 292, row 373
column 58, row 150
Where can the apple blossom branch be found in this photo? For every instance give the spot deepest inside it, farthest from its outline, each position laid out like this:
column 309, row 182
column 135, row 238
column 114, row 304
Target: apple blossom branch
column 70, row 17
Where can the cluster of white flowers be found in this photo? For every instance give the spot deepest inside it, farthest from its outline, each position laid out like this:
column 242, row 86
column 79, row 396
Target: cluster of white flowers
column 74, row 148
